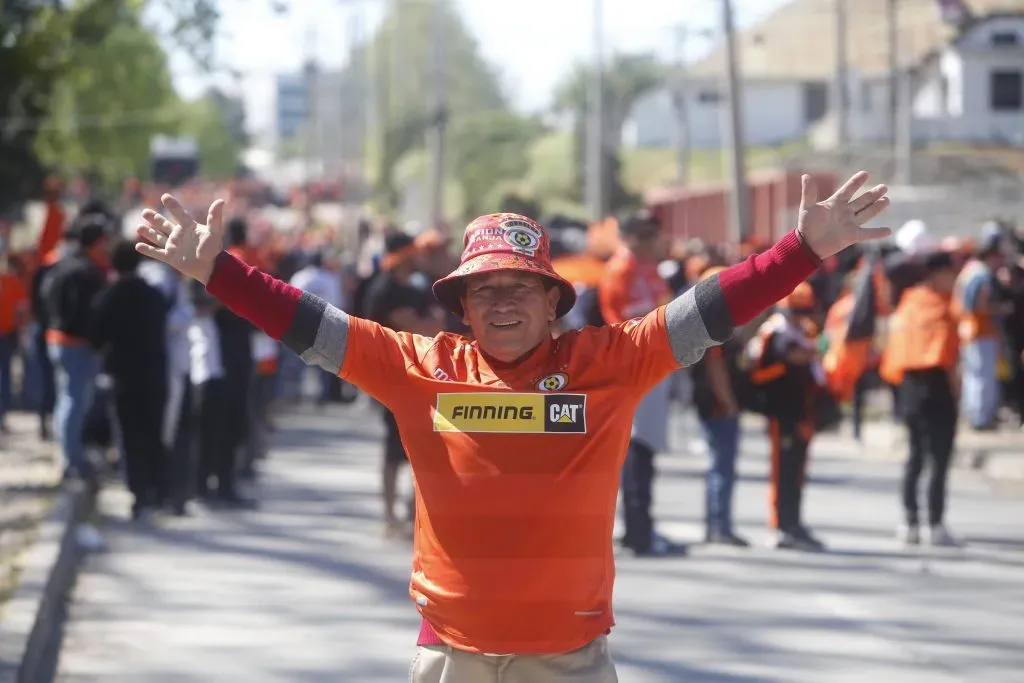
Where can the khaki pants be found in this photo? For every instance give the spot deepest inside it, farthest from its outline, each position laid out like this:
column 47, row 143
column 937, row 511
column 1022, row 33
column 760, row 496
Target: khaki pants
column 442, row 664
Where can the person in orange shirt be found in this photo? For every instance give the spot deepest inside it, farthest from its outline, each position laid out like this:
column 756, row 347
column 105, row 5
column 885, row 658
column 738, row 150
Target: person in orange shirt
column 631, row 288
column 13, row 314
column 921, row 357
column 516, row 439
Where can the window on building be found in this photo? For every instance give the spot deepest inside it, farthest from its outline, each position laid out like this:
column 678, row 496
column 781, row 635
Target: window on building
column 709, row 97
column 1004, row 38
column 815, row 101
column 1006, row 90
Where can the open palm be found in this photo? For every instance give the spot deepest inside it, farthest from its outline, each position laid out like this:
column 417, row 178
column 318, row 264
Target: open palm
column 831, row 225
column 189, row 247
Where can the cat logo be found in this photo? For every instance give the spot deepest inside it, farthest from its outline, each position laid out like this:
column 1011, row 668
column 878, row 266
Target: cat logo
column 554, row 382
column 507, row 413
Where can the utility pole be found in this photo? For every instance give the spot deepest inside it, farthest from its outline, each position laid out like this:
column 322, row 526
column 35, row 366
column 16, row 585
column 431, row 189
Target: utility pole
column 440, row 114
column 903, row 109
column 679, row 104
column 595, row 190
column 842, row 98
column 734, row 101
column 312, row 117
column 892, row 24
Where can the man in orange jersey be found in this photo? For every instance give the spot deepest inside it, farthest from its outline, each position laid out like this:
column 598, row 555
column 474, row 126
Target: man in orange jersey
column 921, row 357
column 516, row 439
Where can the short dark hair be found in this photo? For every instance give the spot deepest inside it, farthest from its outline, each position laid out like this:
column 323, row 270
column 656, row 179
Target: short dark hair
column 90, row 229
column 124, row 258
column 238, row 232
column 640, row 224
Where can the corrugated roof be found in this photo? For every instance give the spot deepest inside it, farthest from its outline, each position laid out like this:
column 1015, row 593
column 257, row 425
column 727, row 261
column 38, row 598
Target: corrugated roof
column 797, row 41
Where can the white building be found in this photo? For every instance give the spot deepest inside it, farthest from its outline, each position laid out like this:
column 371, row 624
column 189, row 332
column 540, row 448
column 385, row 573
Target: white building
column 775, row 112
column 967, row 80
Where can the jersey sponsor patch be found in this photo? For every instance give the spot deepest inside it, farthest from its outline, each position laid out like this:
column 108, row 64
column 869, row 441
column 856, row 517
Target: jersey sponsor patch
column 501, row 413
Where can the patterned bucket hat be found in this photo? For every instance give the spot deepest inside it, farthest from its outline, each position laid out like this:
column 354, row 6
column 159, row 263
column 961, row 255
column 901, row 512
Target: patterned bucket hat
column 503, row 241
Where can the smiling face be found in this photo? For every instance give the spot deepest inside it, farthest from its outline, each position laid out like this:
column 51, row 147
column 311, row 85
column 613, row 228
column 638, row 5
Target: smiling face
column 510, row 312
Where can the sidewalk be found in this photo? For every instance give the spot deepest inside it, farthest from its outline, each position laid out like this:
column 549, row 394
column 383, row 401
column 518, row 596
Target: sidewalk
column 29, row 478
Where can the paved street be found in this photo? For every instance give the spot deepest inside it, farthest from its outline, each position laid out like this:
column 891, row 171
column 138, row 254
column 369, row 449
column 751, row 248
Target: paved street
column 306, row 590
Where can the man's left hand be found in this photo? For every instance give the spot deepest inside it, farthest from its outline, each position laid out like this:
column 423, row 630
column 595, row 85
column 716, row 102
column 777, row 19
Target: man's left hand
column 831, row 225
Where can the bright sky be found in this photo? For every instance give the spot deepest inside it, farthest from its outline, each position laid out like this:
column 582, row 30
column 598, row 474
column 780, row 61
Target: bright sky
column 533, row 42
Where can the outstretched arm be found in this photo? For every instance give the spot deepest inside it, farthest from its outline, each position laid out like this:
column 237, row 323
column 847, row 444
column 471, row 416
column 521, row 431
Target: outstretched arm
column 706, row 314
column 308, row 325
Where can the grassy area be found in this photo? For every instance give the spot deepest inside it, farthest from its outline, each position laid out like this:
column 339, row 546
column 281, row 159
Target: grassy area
column 645, row 168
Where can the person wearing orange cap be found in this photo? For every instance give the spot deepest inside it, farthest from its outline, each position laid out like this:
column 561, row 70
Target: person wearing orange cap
column 787, row 367
column 718, row 411
column 516, row 438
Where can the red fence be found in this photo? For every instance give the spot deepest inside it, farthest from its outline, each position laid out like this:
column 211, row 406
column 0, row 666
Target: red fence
column 703, row 212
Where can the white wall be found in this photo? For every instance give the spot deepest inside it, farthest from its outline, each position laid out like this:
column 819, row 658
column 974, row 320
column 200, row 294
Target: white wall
column 773, row 114
column 952, row 98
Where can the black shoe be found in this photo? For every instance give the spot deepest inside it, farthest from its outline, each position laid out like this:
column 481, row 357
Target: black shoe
column 233, row 499
column 798, row 538
column 727, row 538
column 662, row 547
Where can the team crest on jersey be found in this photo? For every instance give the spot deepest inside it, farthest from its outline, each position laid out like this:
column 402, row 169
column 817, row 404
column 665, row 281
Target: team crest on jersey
column 555, row 382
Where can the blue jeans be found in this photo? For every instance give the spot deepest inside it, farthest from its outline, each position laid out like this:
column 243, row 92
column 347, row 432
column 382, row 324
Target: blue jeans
column 75, row 369
column 8, row 345
column 981, row 389
column 723, row 437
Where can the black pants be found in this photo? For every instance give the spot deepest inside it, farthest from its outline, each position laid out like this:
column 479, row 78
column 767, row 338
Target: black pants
column 47, row 386
column 637, row 484
column 930, row 415
column 216, row 438
column 140, row 416
column 790, row 441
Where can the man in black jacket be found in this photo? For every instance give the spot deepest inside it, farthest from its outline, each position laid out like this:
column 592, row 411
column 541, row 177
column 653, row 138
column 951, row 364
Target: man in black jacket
column 129, row 331
column 68, row 291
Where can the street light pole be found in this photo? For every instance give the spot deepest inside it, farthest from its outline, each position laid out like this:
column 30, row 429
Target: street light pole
column 679, row 102
column 737, row 157
column 440, row 114
column 594, row 186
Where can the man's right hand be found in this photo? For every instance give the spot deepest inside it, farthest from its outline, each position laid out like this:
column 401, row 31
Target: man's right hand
column 185, row 245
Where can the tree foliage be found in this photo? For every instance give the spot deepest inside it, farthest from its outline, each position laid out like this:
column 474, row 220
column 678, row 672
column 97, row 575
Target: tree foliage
column 626, row 78
column 213, row 121
column 489, row 148
column 402, row 66
column 84, row 83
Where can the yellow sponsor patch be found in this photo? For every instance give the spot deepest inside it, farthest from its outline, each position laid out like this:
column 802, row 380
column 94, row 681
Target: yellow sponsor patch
column 500, row 413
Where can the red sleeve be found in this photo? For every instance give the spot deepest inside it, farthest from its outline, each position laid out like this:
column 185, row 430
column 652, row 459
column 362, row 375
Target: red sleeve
column 750, row 287
column 266, row 302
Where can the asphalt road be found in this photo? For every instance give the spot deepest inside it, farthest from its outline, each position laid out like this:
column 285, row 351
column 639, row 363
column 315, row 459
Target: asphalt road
column 306, row 590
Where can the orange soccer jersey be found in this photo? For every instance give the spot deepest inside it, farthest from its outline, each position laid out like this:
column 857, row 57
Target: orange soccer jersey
column 517, row 467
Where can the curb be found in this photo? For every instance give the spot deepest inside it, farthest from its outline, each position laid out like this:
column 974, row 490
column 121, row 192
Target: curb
column 33, row 615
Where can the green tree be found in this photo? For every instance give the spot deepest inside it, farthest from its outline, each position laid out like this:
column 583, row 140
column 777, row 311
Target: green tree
column 114, row 96
column 212, row 122
column 66, row 67
column 401, row 57
column 626, row 78
column 487, row 149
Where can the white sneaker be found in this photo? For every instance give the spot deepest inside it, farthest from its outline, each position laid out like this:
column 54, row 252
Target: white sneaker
column 909, row 534
column 939, row 537
column 89, row 537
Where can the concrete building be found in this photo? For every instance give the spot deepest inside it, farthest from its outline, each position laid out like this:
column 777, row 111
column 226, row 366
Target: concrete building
column 967, row 77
